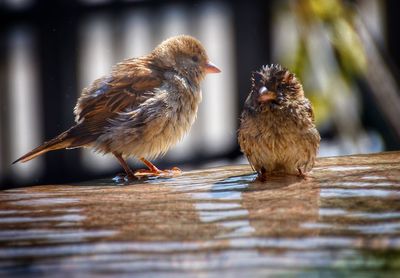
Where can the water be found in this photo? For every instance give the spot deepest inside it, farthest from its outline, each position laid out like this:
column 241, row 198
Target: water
column 343, row 220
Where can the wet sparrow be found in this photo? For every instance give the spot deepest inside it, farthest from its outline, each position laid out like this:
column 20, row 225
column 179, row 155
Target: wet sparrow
column 142, row 108
column 277, row 131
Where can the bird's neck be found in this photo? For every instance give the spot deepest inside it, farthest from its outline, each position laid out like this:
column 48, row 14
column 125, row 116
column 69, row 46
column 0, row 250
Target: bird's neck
column 188, row 79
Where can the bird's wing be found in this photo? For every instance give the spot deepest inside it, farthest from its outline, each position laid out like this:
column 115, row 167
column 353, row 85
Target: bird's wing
column 129, row 85
column 308, row 109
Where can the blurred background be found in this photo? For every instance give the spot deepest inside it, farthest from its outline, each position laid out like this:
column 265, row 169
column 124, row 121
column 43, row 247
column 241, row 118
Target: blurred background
column 345, row 53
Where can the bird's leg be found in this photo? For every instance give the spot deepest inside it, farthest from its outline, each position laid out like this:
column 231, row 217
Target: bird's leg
column 262, row 175
column 125, row 165
column 301, row 174
column 154, row 171
column 150, row 165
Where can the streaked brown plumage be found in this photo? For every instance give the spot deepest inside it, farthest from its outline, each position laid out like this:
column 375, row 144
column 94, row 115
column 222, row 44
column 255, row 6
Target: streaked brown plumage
column 277, row 131
column 142, row 108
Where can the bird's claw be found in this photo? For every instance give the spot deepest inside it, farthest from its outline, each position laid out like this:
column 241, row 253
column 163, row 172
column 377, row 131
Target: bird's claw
column 301, row 174
column 169, row 173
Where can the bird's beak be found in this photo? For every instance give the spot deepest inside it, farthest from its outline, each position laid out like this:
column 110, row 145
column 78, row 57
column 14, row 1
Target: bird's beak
column 266, row 95
column 211, row 68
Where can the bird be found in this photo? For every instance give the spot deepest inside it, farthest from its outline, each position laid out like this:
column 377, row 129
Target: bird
column 141, row 108
column 277, row 131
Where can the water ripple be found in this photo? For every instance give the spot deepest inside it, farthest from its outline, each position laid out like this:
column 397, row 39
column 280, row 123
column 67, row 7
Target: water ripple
column 220, row 221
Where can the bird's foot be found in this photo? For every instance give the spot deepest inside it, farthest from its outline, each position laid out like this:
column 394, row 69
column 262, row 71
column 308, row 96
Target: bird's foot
column 301, row 174
column 173, row 172
column 129, row 176
column 261, row 178
column 153, row 171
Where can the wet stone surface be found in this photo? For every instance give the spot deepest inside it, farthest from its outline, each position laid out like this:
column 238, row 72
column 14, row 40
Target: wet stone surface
column 342, row 220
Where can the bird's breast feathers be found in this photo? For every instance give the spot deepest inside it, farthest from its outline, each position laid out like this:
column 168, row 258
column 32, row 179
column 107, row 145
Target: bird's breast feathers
column 158, row 123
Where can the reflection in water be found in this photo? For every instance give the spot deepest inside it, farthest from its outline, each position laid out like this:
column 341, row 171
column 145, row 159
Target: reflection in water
column 233, row 217
column 213, row 222
column 275, row 208
column 279, row 207
column 143, row 213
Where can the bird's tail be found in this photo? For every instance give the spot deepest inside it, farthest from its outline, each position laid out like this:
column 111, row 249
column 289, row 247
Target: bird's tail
column 72, row 138
column 59, row 142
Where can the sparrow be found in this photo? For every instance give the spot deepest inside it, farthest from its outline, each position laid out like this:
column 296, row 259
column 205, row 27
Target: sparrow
column 141, row 108
column 277, row 132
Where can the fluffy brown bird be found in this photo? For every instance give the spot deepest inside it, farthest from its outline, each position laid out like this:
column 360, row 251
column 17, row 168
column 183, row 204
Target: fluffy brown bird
column 277, row 131
column 142, row 108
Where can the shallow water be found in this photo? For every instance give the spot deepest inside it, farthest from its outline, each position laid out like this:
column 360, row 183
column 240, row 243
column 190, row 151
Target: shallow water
column 342, row 220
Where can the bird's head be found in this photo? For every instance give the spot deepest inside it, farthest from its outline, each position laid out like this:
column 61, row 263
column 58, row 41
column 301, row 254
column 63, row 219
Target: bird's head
column 185, row 55
column 274, row 88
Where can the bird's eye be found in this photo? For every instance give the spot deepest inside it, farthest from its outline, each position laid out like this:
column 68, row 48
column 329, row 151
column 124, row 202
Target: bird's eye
column 195, row 58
